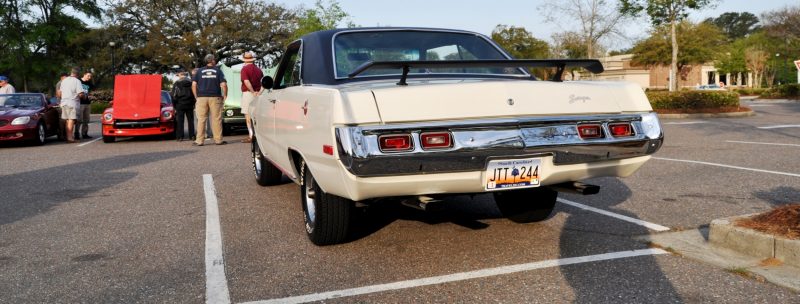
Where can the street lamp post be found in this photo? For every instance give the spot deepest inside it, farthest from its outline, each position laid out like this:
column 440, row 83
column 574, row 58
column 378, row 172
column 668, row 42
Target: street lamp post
column 113, row 64
column 778, row 57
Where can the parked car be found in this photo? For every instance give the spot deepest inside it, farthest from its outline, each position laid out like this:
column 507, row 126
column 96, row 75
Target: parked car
column 28, row 117
column 139, row 108
column 710, row 87
column 360, row 114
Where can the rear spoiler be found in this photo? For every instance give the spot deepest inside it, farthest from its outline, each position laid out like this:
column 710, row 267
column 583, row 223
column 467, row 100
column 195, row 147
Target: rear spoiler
column 592, row 65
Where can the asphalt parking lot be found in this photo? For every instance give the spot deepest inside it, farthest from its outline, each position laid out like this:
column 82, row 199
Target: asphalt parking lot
column 164, row 222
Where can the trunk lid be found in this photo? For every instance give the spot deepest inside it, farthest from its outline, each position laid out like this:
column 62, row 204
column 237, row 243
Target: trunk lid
column 137, row 97
column 466, row 99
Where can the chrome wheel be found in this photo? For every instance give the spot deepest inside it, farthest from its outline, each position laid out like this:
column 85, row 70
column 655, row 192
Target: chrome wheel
column 42, row 134
column 311, row 196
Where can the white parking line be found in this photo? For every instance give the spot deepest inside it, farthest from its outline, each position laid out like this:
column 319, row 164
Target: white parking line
column 89, row 142
column 761, row 143
column 639, row 222
column 780, row 127
column 759, row 105
column 461, row 276
column 728, row 166
column 216, row 283
column 685, row 123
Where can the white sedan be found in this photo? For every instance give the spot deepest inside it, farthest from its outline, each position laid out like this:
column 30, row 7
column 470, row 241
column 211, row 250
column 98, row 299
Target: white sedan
column 358, row 114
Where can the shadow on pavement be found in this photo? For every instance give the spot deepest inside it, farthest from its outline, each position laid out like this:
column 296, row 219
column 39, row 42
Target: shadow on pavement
column 30, row 193
column 630, row 280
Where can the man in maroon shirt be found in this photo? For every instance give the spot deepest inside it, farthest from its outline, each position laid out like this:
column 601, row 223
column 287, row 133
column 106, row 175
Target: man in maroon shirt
column 251, row 88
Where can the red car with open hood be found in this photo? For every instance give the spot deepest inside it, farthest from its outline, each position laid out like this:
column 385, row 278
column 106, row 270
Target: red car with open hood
column 139, row 108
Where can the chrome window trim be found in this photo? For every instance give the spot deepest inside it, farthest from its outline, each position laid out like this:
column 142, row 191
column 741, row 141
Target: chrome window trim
column 525, row 74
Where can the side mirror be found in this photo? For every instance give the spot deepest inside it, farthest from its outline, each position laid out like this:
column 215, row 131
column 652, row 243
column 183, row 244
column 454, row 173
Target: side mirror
column 267, row 82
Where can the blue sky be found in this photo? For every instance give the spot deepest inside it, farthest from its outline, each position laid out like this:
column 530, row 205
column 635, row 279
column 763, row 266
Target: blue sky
column 483, row 16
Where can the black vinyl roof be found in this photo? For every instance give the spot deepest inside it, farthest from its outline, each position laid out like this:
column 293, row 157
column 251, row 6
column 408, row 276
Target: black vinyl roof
column 317, row 65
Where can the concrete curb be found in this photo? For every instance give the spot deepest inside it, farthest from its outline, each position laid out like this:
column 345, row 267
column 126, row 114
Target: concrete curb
column 724, row 233
column 708, row 115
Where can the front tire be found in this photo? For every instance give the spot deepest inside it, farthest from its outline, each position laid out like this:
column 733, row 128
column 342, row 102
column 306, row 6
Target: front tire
column 526, row 205
column 327, row 217
column 266, row 173
column 109, row 139
column 41, row 135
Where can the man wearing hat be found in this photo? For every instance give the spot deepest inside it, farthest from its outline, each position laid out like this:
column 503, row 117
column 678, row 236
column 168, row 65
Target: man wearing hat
column 5, row 87
column 251, row 88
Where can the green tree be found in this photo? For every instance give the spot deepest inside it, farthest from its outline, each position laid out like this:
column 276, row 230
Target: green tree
column 161, row 34
column 783, row 26
column 34, row 43
column 320, row 18
column 665, row 12
column 521, row 44
column 736, row 25
column 700, row 43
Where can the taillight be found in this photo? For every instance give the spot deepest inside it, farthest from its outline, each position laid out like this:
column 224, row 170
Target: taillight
column 395, row 142
column 620, row 129
column 435, row 140
column 590, row 131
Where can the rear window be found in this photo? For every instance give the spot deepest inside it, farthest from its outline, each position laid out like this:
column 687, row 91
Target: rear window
column 355, row 48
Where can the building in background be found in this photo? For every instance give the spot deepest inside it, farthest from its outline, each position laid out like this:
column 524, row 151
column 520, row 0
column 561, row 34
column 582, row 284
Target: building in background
column 620, row 68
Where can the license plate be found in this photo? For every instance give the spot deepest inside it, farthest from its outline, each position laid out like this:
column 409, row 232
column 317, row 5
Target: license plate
column 512, row 173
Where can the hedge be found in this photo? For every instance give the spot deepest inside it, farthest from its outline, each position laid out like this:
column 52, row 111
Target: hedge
column 692, row 99
column 751, row 91
column 783, row 91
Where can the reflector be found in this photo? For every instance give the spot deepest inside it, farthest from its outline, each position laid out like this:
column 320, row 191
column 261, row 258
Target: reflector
column 590, row 131
column 435, row 140
column 394, row 143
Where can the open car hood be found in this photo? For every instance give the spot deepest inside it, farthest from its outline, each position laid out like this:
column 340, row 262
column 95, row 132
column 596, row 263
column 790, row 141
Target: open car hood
column 137, row 96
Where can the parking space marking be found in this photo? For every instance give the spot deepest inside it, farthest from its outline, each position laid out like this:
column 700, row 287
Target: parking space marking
column 89, row 142
column 639, row 222
column 483, row 273
column 761, row 143
column 780, row 127
column 760, row 105
column 216, row 283
column 728, row 166
column 685, row 123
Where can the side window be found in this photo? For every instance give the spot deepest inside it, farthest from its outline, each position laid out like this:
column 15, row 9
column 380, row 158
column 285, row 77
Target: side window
column 288, row 74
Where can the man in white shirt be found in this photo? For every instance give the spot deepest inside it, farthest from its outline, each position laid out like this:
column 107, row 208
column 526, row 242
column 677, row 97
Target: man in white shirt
column 71, row 91
column 5, row 87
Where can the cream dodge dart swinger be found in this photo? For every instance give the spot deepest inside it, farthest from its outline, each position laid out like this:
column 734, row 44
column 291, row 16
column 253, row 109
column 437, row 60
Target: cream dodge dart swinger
column 358, row 114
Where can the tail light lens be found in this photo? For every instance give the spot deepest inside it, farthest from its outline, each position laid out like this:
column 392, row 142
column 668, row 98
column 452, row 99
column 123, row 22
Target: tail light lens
column 436, row 140
column 620, row 129
column 590, row 131
column 395, row 142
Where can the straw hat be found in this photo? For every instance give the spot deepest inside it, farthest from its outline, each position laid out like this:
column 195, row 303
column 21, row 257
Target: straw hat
column 248, row 57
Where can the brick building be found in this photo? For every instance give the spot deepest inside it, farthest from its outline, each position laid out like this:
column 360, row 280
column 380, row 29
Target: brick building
column 620, row 68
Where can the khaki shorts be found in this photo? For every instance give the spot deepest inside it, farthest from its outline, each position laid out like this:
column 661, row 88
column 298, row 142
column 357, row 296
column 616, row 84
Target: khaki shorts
column 68, row 112
column 247, row 99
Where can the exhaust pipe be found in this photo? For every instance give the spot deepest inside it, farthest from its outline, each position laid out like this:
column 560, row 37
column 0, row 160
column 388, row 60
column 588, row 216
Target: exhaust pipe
column 419, row 202
column 577, row 188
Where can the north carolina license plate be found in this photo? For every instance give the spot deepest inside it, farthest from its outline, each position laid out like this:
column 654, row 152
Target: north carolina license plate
column 512, row 173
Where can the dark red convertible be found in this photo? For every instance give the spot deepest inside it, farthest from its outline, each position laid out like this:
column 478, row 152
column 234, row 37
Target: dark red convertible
column 27, row 117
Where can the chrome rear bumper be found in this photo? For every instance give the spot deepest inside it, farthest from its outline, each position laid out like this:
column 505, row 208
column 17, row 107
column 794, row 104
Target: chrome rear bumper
column 477, row 141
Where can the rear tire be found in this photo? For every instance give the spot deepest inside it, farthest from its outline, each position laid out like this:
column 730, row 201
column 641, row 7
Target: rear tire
column 526, row 205
column 109, row 139
column 327, row 217
column 266, row 173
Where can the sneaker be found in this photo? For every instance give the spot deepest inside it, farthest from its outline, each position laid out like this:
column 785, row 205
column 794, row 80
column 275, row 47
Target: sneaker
column 192, row 138
column 247, row 140
column 86, row 136
column 222, row 143
column 196, row 144
column 180, row 139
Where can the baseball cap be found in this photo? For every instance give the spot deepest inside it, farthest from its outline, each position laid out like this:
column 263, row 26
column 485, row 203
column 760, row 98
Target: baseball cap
column 3, row 78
